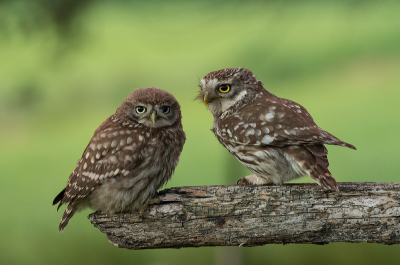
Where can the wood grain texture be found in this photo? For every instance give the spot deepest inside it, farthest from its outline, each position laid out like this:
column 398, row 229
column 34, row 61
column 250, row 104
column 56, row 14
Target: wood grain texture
column 257, row 215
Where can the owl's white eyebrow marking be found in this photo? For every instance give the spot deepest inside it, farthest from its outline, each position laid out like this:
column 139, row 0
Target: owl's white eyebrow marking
column 202, row 82
column 213, row 82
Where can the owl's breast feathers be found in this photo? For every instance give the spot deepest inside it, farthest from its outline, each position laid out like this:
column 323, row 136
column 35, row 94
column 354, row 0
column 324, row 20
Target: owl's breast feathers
column 272, row 121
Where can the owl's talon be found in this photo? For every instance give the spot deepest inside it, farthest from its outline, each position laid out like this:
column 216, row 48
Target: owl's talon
column 242, row 182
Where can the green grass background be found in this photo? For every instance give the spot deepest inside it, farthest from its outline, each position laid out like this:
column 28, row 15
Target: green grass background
column 339, row 59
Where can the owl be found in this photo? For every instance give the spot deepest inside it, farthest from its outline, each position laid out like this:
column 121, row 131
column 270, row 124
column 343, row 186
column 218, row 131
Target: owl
column 275, row 138
column 130, row 156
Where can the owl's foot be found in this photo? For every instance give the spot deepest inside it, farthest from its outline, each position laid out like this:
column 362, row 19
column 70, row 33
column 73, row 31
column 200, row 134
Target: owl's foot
column 253, row 180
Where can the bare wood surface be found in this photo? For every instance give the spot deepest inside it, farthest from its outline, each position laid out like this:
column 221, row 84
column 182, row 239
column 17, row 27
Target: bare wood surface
column 258, row 215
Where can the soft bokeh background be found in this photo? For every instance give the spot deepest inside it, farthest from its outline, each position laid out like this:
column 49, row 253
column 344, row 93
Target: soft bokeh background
column 65, row 66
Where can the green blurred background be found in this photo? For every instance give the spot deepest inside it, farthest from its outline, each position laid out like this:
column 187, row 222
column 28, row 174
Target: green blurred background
column 65, row 66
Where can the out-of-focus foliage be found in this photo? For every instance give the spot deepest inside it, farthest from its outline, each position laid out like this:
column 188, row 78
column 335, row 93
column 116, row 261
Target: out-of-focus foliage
column 65, row 67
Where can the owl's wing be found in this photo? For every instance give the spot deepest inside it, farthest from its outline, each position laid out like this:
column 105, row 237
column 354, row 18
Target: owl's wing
column 113, row 151
column 274, row 122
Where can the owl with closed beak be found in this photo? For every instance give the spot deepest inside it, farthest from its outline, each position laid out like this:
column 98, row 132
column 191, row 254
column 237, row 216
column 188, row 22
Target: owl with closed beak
column 275, row 138
column 130, row 156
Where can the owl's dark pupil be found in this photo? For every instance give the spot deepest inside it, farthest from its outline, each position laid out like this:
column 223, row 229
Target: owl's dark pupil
column 224, row 88
column 165, row 109
column 140, row 109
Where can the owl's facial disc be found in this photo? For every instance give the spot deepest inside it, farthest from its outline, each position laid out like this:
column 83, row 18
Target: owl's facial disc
column 220, row 95
column 155, row 115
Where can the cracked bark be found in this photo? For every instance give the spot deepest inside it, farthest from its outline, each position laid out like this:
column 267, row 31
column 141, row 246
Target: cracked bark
column 257, row 215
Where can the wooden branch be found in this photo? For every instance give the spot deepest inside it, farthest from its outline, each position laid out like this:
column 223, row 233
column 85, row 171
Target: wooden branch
column 258, row 215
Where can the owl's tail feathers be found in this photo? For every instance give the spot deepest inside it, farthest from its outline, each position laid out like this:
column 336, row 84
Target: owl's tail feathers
column 58, row 198
column 324, row 178
column 347, row 145
column 69, row 212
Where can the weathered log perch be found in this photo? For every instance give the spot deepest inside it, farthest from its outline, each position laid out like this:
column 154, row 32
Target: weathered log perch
column 258, row 215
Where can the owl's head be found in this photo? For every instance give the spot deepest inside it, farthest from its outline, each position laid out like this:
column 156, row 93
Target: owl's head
column 222, row 89
column 151, row 107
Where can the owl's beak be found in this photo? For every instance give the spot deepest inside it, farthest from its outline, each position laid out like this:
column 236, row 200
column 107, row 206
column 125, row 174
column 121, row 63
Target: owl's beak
column 153, row 117
column 206, row 99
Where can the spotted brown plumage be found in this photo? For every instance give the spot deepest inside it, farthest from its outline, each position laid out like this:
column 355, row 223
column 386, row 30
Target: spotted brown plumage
column 276, row 138
column 130, row 156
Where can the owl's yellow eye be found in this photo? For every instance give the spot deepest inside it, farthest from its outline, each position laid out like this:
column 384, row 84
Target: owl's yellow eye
column 140, row 109
column 224, row 88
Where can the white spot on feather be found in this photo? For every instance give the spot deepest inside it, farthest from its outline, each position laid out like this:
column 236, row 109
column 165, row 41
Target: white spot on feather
column 249, row 132
column 267, row 139
column 114, row 143
column 269, row 116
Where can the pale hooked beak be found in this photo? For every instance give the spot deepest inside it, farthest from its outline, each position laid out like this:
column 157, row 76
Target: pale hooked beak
column 153, row 117
column 206, row 99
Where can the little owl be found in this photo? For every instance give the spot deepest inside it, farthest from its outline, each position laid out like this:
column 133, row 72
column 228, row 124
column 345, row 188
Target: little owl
column 274, row 138
column 130, row 156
